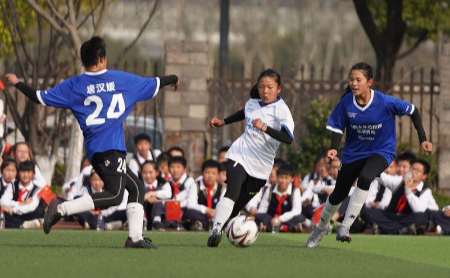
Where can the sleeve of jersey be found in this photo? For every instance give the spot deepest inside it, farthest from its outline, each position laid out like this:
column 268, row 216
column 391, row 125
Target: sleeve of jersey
column 145, row 87
column 58, row 96
column 399, row 107
column 286, row 121
column 338, row 119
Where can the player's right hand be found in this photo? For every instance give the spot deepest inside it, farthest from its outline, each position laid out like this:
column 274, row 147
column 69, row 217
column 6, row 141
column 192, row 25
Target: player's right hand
column 331, row 154
column 215, row 122
column 12, row 78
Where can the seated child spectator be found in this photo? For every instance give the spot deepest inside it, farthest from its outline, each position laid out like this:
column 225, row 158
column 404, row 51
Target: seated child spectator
column 252, row 205
column 176, row 151
column 143, row 151
column 181, row 184
column 221, row 155
column 113, row 217
column 281, row 205
column 21, row 202
column 441, row 219
column 203, row 198
column 410, row 199
column 9, row 173
column 69, row 187
column 22, row 152
column 318, row 186
column 163, row 166
column 156, row 190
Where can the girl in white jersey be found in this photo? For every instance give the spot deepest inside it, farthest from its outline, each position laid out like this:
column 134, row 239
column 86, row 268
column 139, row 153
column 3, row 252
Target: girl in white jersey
column 268, row 123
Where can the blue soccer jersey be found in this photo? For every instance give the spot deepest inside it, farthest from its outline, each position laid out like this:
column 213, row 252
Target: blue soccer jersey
column 369, row 129
column 101, row 101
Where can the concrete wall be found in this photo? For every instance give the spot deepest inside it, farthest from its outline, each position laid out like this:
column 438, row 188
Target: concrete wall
column 186, row 110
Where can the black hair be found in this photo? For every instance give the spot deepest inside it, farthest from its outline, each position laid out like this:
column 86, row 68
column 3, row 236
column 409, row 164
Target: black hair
column 26, row 165
column 178, row 159
column 270, row 73
column 7, row 162
column 211, row 163
column 406, row 156
column 254, row 92
column 286, row 169
column 92, row 50
column 224, row 149
column 176, row 148
column 278, row 162
column 142, row 137
column 92, row 173
column 318, row 158
column 366, row 70
column 150, row 162
column 223, row 166
column 425, row 164
column 163, row 157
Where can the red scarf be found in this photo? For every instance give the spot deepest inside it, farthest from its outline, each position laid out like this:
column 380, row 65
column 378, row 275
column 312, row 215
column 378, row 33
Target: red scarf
column 21, row 193
column 175, row 188
column 280, row 202
column 403, row 201
column 209, row 196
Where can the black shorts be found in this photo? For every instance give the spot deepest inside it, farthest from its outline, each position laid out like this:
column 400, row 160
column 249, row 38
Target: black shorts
column 112, row 162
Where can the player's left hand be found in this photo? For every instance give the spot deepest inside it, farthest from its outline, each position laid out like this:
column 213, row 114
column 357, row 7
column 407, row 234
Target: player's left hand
column 176, row 85
column 427, row 147
column 12, row 78
column 258, row 124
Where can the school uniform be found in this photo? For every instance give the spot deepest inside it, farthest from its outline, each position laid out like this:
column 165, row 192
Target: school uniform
column 440, row 219
column 136, row 162
column 163, row 192
column 200, row 198
column 3, row 186
column 405, row 208
column 285, row 205
column 16, row 193
column 81, row 181
column 314, row 184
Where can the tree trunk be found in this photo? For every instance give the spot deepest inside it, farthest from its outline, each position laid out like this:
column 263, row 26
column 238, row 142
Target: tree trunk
column 46, row 166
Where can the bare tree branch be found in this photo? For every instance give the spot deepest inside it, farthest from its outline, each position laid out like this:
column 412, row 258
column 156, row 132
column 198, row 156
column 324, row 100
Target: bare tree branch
column 144, row 26
column 91, row 14
column 102, row 17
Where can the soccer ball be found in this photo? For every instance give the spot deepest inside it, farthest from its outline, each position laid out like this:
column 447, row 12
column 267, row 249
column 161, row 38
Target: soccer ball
column 242, row 231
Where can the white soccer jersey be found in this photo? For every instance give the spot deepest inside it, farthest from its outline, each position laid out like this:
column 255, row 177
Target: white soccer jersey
column 255, row 149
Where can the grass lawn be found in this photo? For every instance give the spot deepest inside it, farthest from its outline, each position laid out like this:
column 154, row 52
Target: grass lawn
column 68, row 253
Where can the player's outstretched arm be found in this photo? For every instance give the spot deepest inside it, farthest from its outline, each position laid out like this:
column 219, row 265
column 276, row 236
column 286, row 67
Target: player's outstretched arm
column 24, row 88
column 171, row 80
column 427, row 146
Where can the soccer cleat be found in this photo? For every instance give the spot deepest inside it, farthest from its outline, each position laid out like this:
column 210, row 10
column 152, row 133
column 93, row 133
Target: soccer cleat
column 314, row 240
column 215, row 237
column 343, row 234
column 52, row 216
column 145, row 243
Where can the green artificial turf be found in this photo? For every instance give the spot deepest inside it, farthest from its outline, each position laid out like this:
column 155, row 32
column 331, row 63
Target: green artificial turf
column 68, row 253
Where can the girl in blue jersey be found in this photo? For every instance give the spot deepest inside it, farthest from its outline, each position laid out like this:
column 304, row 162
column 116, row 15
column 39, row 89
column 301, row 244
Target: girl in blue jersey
column 368, row 117
column 101, row 100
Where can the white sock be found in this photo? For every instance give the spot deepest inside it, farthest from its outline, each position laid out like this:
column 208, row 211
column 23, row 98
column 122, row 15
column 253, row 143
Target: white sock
column 327, row 213
column 357, row 200
column 82, row 204
column 223, row 211
column 156, row 219
column 135, row 215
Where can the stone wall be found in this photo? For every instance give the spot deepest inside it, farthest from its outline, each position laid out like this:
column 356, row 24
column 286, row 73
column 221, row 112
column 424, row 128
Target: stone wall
column 444, row 116
column 186, row 110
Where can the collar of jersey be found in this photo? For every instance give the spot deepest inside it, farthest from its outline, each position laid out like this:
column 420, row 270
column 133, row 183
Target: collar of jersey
column 372, row 93
column 95, row 72
column 264, row 104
